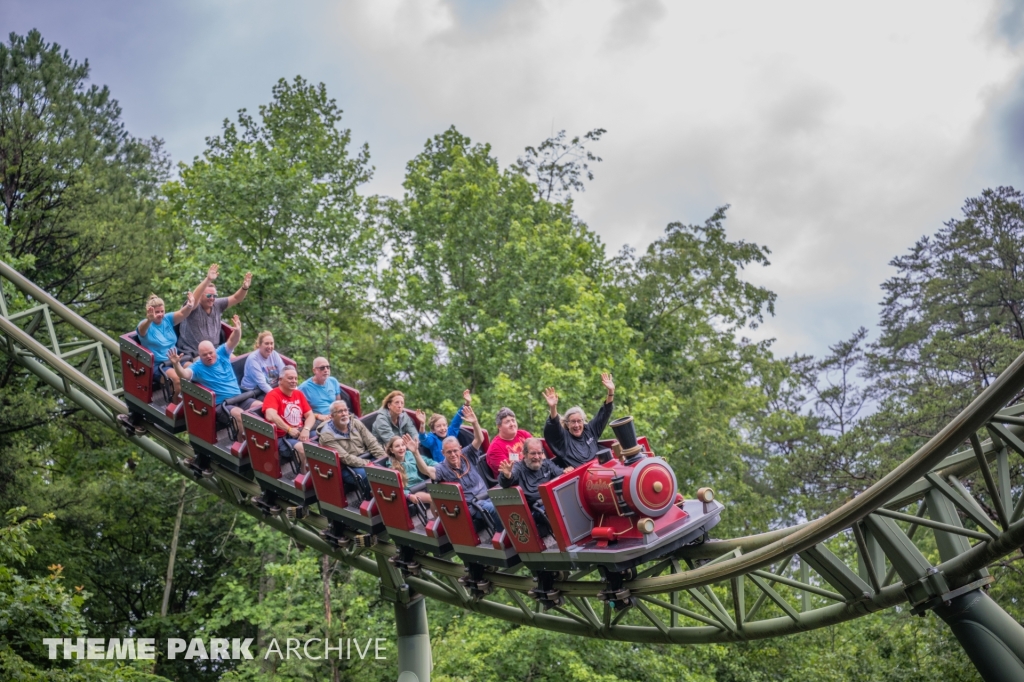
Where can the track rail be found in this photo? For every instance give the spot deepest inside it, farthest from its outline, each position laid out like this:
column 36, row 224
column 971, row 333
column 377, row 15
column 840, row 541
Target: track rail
column 957, row 493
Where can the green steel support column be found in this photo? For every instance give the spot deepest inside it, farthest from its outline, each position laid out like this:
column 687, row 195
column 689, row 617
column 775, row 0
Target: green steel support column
column 990, row 636
column 414, row 660
column 942, row 510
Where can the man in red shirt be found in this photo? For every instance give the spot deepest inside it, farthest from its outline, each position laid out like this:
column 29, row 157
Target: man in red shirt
column 289, row 411
column 508, row 444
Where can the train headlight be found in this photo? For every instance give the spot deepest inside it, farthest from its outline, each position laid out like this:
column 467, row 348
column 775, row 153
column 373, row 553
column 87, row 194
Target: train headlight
column 645, row 526
column 705, row 495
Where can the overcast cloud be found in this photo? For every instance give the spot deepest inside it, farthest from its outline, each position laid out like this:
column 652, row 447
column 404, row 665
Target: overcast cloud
column 839, row 136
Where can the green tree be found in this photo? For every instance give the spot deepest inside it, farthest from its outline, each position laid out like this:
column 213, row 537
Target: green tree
column 278, row 196
column 559, row 167
column 704, row 385
column 478, row 262
column 78, row 191
column 35, row 608
column 951, row 318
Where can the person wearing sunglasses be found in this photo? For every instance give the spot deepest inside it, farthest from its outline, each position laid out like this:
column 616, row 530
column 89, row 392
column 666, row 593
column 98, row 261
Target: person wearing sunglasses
column 321, row 390
column 203, row 323
column 572, row 438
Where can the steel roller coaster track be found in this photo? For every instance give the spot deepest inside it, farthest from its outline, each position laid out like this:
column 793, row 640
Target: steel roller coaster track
column 959, row 487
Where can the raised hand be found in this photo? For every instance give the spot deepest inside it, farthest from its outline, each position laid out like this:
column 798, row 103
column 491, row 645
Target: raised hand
column 247, row 280
column 467, row 397
column 551, row 396
column 410, row 442
column 606, row 379
column 151, row 313
column 506, row 468
column 190, row 301
column 213, row 272
column 174, row 356
column 237, row 323
column 468, row 415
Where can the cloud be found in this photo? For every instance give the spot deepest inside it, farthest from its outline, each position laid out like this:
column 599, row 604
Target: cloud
column 1008, row 17
column 634, row 23
column 838, row 134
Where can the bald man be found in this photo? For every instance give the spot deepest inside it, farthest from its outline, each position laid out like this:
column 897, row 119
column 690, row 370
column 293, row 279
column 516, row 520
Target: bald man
column 213, row 370
column 321, row 390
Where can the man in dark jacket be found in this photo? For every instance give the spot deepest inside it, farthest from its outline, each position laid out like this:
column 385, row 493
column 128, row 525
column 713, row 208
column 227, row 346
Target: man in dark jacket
column 571, row 438
column 534, row 469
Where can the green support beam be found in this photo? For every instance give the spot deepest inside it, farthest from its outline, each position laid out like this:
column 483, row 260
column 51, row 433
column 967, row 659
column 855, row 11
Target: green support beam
column 993, row 640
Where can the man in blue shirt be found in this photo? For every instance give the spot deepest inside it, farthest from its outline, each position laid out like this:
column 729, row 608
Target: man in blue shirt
column 213, row 370
column 322, row 389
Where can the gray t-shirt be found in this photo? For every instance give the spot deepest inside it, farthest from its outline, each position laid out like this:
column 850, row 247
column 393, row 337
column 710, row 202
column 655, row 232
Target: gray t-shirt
column 201, row 326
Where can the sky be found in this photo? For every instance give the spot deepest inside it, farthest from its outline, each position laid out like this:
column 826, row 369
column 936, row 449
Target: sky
column 838, row 135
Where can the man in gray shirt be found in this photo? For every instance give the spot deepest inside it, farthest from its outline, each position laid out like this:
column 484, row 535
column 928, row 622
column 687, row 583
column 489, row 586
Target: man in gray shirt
column 203, row 323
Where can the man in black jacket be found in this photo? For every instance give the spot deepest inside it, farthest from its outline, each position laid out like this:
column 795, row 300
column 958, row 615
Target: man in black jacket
column 571, row 438
column 534, row 469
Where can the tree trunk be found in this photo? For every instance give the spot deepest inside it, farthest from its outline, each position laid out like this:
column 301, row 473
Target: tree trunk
column 169, row 579
column 264, row 587
column 174, row 551
column 325, row 570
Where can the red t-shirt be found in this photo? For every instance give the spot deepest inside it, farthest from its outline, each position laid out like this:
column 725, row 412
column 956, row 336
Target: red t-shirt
column 290, row 408
column 499, row 449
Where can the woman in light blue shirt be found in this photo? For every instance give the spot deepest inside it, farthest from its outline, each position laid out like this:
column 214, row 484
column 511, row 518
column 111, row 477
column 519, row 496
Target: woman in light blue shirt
column 156, row 333
column 263, row 365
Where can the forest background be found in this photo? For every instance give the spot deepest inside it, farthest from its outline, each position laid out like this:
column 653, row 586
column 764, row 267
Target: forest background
column 481, row 276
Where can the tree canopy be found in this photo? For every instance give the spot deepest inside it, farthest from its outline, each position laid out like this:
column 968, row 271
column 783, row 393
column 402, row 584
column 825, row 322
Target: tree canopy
column 478, row 276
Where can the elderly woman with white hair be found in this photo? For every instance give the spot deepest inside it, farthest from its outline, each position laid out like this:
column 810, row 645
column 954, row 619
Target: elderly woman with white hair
column 571, row 437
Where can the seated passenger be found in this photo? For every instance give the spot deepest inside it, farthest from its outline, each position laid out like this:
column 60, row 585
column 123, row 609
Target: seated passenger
column 393, row 421
column 321, row 390
column 402, row 460
column 350, row 438
column 459, row 466
column 262, row 366
column 437, row 429
column 535, row 468
column 508, row 442
column 571, row 438
column 287, row 409
column 203, row 323
column 213, row 370
column 156, row 333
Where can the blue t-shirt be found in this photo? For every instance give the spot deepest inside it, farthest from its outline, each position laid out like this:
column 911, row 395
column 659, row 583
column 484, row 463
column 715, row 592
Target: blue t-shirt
column 219, row 377
column 159, row 338
column 321, row 397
